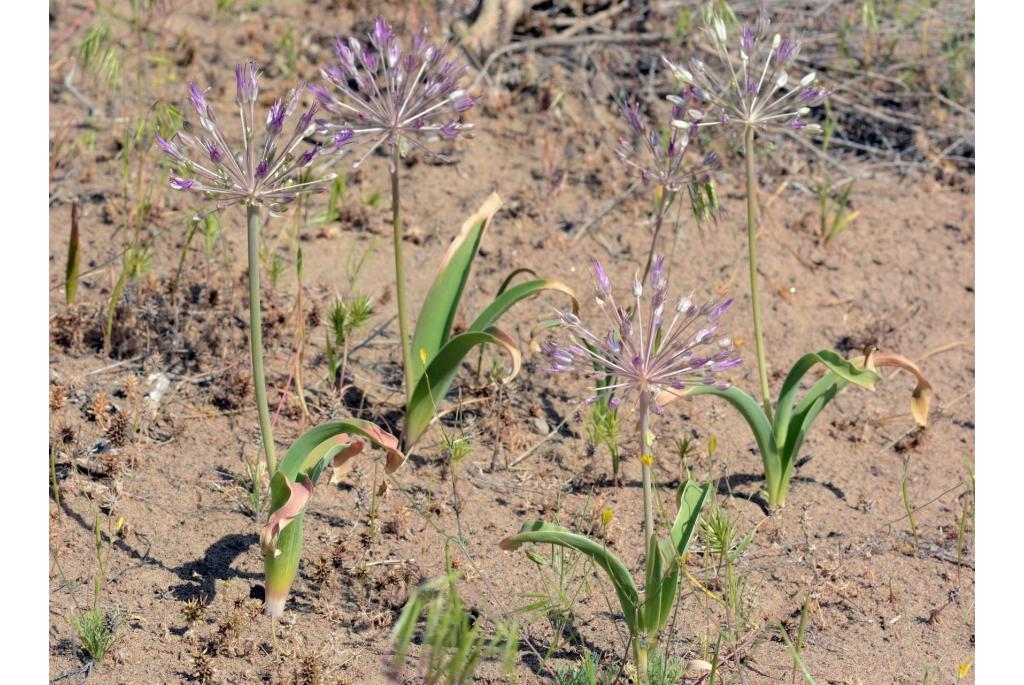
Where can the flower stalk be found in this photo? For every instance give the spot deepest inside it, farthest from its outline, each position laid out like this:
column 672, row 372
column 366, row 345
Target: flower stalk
column 755, row 293
column 403, row 312
column 259, row 379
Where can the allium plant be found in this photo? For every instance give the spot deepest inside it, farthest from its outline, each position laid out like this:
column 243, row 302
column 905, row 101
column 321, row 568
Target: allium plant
column 406, row 96
column 260, row 176
column 401, row 96
column 657, row 158
column 654, row 345
column 750, row 88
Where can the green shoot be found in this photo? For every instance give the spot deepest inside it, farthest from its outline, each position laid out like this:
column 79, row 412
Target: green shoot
column 905, row 492
column 603, row 429
column 136, row 261
column 276, row 271
column 454, row 643
column 345, row 318
column 797, row 660
column 71, row 273
column 97, row 632
column 334, row 199
column 290, row 51
column 99, row 55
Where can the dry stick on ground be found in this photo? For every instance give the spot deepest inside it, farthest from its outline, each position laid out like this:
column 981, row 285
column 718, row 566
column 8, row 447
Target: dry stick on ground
column 604, row 211
column 557, row 42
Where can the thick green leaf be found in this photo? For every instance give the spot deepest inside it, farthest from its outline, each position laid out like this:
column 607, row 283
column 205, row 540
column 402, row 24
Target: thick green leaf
column 751, row 411
column 652, row 587
column 669, row 584
column 625, row 589
column 442, row 302
column 309, row 454
column 505, row 300
column 441, row 370
column 801, row 423
column 690, row 505
column 837, row 366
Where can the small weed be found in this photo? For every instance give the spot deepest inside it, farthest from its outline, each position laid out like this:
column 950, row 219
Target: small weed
column 194, row 610
column 97, row 632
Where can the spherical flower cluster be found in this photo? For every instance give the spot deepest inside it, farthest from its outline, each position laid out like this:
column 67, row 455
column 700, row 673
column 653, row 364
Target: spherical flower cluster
column 754, row 89
column 264, row 174
column 660, row 160
column 644, row 353
column 387, row 93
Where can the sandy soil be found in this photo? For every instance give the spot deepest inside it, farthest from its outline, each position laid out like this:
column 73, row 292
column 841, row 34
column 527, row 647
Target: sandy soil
column 886, row 606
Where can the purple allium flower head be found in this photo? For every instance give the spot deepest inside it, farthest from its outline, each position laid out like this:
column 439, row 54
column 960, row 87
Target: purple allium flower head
column 752, row 88
column 265, row 173
column 649, row 350
column 657, row 157
column 392, row 93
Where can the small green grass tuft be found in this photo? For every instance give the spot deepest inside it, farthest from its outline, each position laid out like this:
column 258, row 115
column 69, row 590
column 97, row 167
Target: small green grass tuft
column 97, row 632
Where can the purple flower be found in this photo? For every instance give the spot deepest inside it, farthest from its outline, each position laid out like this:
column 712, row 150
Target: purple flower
column 262, row 173
column 752, row 89
column 648, row 350
column 403, row 94
column 660, row 159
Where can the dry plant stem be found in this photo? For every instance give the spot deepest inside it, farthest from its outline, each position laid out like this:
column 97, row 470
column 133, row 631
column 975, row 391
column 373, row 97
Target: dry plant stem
column 259, row 380
column 658, row 220
column 755, row 295
column 403, row 317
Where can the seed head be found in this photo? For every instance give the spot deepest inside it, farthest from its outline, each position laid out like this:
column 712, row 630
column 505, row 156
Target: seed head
column 754, row 87
column 264, row 174
column 648, row 349
column 384, row 92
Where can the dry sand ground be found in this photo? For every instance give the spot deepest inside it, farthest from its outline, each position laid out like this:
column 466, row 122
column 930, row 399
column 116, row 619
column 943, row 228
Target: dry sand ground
column 884, row 607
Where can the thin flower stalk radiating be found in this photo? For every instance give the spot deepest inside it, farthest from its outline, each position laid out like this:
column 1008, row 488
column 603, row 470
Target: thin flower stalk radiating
column 754, row 88
column 648, row 349
column 643, row 354
column 387, row 93
column 658, row 158
column 265, row 173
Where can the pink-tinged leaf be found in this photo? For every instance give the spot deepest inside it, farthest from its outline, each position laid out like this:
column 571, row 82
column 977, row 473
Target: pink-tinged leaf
column 921, row 398
column 342, row 461
column 285, row 514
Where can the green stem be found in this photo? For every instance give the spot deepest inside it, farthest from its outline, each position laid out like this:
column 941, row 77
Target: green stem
column 259, row 380
column 645, row 457
column 640, row 656
column 115, row 297
column 755, row 295
column 403, row 317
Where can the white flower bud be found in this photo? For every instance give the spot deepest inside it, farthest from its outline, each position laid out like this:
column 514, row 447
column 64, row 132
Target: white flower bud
column 695, row 114
column 675, row 99
column 782, row 80
column 808, row 80
column 680, row 124
column 812, row 128
column 803, row 111
column 720, row 30
column 776, row 41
